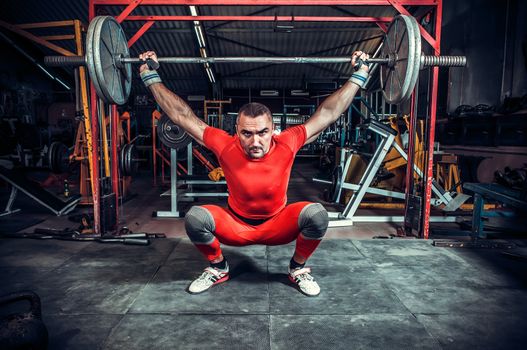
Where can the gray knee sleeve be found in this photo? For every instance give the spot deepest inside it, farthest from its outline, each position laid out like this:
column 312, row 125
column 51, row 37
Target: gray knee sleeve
column 313, row 221
column 200, row 225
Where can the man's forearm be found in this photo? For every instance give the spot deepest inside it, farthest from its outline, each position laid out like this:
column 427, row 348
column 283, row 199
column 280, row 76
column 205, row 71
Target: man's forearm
column 170, row 103
column 339, row 101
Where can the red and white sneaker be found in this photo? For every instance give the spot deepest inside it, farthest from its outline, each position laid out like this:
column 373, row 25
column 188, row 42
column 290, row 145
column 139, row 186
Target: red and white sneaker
column 305, row 282
column 208, row 278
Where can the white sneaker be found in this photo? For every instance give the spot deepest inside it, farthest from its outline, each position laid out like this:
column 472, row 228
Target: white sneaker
column 208, row 278
column 305, row 282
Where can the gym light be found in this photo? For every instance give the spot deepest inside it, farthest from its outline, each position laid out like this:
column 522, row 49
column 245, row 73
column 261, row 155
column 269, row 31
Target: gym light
column 199, row 34
column 211, row 75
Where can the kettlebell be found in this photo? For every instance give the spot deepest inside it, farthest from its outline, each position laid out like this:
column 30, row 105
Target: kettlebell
column 24, row 330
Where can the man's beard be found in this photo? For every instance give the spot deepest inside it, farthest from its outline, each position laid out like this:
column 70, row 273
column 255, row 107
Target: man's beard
column 258, row 155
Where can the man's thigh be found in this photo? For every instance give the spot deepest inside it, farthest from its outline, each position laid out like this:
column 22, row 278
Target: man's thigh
column 283, row 227
column 280, row 229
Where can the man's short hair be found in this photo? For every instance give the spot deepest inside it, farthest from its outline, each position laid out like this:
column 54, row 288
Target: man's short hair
column 254, row 109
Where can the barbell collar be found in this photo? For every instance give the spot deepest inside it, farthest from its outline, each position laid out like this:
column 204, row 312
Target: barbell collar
column 64, row 61
column 443, row 61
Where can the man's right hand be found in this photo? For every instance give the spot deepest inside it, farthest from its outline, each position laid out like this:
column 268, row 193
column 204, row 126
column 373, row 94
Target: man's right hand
column 144, row 56
column 359, row 55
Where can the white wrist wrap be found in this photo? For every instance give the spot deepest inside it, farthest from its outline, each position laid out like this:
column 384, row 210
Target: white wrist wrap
column 150, row 77
column 359, row 77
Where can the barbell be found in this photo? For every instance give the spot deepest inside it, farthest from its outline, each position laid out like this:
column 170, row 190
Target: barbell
column 59, row 158
column 109, row 62
column 128, row 160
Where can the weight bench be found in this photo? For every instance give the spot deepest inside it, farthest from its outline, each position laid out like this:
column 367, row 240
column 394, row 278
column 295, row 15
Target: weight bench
column 19, row 182
column 497, row 192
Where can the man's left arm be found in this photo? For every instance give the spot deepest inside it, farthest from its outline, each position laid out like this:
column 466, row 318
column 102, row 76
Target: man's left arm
column 332, row 107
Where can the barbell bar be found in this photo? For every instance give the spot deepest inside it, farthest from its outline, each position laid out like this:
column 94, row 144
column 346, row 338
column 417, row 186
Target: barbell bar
column 109, row 62
column 426, row 61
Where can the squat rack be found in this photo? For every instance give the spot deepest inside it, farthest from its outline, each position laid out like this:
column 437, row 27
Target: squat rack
column 434, row 40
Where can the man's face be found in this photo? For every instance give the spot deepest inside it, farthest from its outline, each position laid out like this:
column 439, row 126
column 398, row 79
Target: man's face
column 255, row 134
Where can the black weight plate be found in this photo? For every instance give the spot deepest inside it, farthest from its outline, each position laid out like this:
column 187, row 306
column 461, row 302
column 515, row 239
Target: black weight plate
column 170, row 134
column 134, row 160
column 336, row 183
column 58, row 157
column 51, row 155
column 128, row 160
column 121, row 160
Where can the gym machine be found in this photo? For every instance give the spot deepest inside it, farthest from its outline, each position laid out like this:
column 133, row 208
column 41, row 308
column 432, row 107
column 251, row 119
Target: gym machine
column 338, row 183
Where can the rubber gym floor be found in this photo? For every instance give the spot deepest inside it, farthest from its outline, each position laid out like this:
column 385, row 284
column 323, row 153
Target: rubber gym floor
column 376, row 293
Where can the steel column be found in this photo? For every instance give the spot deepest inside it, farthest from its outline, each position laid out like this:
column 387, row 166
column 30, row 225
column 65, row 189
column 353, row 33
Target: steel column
column 94, row 173
column 114, row 115
column 262, row 18
column 433, row 110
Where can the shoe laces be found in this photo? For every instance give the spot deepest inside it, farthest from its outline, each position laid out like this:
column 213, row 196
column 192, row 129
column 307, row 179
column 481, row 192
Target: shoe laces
column 208, row 274
column 303, row 274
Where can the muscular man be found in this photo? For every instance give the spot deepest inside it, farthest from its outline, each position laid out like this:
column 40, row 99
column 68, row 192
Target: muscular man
column 257, row 164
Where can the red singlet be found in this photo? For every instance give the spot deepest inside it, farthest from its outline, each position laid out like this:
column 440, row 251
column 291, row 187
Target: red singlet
column 257, row 187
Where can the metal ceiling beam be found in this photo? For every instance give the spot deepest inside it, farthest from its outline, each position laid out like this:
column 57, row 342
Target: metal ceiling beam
column 273, row 53
column 317, row 29
column 262, row 18
column 250, row 14
column 254, row 30
column 268, row 2
column 344, row 45
column 337, row 74
column 340, row 9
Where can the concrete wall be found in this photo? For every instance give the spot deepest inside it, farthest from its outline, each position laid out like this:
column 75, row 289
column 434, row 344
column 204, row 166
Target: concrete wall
column 491, row 34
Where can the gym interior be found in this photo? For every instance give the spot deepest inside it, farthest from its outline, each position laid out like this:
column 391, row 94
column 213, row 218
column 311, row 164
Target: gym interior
column 423, row 175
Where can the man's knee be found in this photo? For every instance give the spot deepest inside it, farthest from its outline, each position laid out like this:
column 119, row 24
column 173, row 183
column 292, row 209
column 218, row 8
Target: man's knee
column 313, row 221
column 200, row 225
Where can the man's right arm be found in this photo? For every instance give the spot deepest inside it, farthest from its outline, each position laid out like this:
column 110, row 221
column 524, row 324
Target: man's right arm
column 173, row 105
column 179, row 111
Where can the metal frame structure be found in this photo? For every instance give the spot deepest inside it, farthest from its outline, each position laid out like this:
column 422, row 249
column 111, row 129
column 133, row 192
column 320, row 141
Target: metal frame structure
column 433, row 8
column 9, row 206
column 174, row 183
column 387, row 141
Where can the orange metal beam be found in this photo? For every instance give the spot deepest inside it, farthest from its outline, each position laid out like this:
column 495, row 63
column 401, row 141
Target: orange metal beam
column 36, row 39
column 46, row 24
column 58, row 37
column 131, row 6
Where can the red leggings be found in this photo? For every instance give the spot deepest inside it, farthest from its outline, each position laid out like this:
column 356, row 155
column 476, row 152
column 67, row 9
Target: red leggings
column 280, row 229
